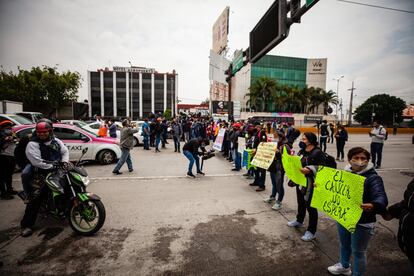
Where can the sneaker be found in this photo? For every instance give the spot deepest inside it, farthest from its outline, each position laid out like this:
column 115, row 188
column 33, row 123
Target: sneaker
column 200, row 172
column 191, row 175
column 277, row 206
column 308, row 236
column 337, row 159
column 260, row 189
column 235, row 170
column 269, row 200
column 338, row 269
column 295, row 223
column 253, row 184
column 117, row 172
column 131, row 170
column 26, row 232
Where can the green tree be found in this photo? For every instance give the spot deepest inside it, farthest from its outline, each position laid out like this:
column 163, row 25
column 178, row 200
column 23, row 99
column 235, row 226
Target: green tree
column 261, row 91
column 167, row 114
column 387, row 109
column 328, row 97
column 40, row 89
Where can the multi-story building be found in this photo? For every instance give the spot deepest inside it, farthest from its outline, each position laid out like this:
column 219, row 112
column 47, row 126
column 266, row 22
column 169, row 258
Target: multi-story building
column 133, row 92
column 290, row 71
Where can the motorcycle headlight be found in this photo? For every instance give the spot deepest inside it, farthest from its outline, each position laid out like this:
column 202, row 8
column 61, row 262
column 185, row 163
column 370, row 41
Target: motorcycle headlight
column 85, row 180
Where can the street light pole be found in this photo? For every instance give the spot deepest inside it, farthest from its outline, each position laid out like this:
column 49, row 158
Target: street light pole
column 130, row 106
column 350, row 104
column 337, row 93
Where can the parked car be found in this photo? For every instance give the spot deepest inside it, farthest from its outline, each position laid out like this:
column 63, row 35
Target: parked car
column 77, row 123
column 103, row 150
column 16, row 119
column 94, row 127
column 31, row 116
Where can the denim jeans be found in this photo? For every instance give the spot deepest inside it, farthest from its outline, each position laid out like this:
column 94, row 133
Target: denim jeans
column 192, row 158
column 277, row 185
column 322, row 141
column 146, row 142
column 157, row 141
column 340, row 149
column 355, row 244
column 237, row 159
column 26, row 179
column 303, row 206
column 125, row 157
column 376, row 153
column 176, row 143
column 260, row 177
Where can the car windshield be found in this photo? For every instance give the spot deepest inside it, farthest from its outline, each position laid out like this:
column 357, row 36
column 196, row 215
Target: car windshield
column 20, row 119
column 38, row 116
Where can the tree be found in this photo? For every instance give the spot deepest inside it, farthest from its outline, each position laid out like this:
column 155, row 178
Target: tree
column 40, row 89
column 388, row 109
column 167, row 114
column 261, row 92
column 328, row 97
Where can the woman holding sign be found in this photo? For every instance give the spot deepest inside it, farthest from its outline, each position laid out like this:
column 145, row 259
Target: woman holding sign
column 374, row 202
column 311, row 155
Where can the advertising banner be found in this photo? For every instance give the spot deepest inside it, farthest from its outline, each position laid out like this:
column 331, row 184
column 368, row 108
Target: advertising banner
column 339, row 195
column 218, row 143
column 316, row 73
column 221, row 31
column 264, row 155
column 219, row 91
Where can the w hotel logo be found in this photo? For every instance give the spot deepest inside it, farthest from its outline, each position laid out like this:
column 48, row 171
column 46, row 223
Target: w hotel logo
column 317, row 63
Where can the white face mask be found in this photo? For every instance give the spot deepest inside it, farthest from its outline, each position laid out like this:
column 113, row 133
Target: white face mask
column 358, row 166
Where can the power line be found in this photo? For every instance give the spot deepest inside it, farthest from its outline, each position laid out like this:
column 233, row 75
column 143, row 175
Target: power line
column 375, row 6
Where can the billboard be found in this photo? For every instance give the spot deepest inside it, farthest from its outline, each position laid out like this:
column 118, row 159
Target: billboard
column 218, row 64
column 219, row 91
column 316, row 72
column 220, row 31
column 221, row 107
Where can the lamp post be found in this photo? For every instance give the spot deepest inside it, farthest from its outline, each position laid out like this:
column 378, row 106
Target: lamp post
column 373, row 111
column 130, row 106
column 337, row 92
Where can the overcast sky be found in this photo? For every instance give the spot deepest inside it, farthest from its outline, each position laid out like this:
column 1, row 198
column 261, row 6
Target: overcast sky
column 373, row 47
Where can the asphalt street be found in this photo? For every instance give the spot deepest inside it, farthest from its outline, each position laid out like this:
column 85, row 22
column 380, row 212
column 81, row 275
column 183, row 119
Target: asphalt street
column 160, row 222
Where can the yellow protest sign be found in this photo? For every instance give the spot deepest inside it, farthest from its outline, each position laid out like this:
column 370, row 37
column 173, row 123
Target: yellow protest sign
column 264, row 155
column 292, row 166
column 339, row 195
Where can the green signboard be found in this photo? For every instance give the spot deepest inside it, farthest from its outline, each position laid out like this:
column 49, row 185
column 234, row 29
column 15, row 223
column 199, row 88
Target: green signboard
column 237, row 64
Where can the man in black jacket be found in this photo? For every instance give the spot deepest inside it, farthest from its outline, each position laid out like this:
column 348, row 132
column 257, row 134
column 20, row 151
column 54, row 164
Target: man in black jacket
column 190, row 150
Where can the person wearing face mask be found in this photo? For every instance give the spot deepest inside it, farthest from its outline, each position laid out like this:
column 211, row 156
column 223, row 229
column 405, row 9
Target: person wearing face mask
column 311, row 155
column 277, row 173
column 374, row 202
column 259, row 173
column 7, row 162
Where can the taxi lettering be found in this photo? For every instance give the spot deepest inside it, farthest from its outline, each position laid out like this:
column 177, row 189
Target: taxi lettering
column 73, row 147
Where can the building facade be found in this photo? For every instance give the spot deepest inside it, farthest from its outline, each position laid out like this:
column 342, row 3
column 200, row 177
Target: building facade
column 133, row 92
column 290, row 71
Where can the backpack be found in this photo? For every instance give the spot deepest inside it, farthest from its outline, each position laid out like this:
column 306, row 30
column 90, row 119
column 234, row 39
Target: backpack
column 20, row 152
column 295, row 134
column 329, row 161
column 386, row 133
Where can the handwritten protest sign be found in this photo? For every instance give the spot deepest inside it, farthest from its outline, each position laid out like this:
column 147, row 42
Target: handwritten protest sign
column 241, row 144
column 264, row 155
column 292, row 166
column 218, row 143
column 339, row 195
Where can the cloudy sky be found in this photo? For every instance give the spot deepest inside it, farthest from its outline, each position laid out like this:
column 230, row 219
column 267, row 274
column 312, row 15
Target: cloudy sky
column 373, row 47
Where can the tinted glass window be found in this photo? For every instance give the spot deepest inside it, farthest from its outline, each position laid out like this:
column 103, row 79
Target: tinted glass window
column 67, row 134
column 95, row 126
column 24, row 132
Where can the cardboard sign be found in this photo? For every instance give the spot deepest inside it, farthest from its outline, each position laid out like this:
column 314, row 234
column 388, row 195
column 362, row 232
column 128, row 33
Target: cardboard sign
column 339, row 195
column 264, row 155
column 247, row 158
column 242, row 144
column 292, row 166
column 218, row 143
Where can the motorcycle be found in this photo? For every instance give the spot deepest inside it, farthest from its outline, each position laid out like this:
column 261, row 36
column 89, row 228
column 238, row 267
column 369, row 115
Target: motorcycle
column 67, row 197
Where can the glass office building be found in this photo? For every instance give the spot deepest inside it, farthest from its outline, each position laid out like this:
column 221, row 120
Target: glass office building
column 133, row 92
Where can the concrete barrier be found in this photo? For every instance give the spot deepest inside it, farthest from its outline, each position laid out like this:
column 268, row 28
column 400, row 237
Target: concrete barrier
column 360, row 130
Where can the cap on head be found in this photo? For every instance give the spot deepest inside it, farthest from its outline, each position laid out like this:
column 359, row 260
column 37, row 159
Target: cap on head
column 236, row 125
column 43, row 127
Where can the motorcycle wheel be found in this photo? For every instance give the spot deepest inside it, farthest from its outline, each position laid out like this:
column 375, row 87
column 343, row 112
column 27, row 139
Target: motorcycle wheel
column 87, row 218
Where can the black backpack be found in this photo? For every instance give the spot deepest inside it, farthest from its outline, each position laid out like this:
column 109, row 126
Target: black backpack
column 329, row 161
column 295, row 134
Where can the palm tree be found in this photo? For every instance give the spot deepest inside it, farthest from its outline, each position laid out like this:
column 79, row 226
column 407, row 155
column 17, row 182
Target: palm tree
column 261, row 91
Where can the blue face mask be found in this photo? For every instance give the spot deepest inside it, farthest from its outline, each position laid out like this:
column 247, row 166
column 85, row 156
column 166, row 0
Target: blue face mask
column 302, row 145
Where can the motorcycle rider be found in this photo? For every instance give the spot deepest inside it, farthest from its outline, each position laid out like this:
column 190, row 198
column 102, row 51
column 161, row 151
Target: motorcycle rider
column 42, row 147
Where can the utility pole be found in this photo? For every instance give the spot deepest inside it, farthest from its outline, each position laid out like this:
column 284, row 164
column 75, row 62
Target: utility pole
column 350, row 104
column 132, row 110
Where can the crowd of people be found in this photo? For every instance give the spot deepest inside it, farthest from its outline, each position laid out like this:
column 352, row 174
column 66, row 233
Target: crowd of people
column 197, row 133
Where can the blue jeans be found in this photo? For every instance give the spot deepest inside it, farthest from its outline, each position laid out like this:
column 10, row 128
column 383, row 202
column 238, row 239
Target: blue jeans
column 26, row 179
column 277, row 184
column 192, row 157
column 146, row 142
column 355, row 244
column 376, row 153
column 237, row 159
column 322, row 141
column 260, row 177
column 157, row 141
column 176, row 143
column 125, row 157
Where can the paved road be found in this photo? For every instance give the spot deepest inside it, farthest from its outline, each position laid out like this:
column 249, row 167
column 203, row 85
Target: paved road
column 162, row 223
